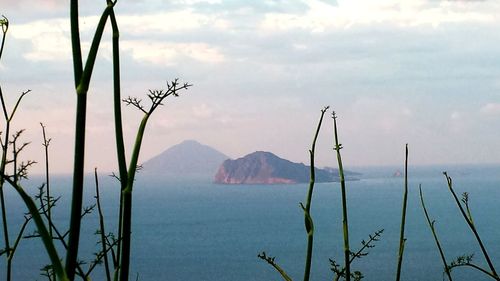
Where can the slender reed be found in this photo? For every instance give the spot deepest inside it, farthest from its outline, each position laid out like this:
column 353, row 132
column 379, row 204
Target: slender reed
column 42, row 230
column 434, row 234
column 102, row 229
column 5, row 143
column 46, row 143
column 4, row 22
column 272, row 262
column 308, row 221
column 307, row 209
column 363, row 251
column 156, row 98
column 82, row 80
column 345, row 225
column 470, row 222
column 402, row 239
column 120, row 147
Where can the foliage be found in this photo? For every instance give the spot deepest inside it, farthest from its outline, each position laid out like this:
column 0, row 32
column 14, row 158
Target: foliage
column 112, row 247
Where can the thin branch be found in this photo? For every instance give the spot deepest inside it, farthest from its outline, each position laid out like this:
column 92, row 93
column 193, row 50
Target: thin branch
column 434, row 234
column 272, row 262
column 470, row 223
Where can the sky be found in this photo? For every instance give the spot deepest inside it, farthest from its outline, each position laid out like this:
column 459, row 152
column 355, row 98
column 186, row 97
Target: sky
column 422, row 72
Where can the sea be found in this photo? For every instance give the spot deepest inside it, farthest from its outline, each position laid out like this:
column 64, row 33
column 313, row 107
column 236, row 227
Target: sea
column 190, row 229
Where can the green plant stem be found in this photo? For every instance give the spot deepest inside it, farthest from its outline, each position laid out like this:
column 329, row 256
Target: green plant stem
column 75, row 42
column 82, row 80
column 434, row 234
column 271, row 261
column 2, row 203
column 5, row 28
column 402, row 239
column 120, row 147
column 307, row 215
column 77, row 195
column 3, row 164
column 477, row 268
column 102, row 227
column 47, row 176
column 471, row 225
column 18, row 239
column 127, row 202
column 345, row 224
column 42, row 230
column 6, row 234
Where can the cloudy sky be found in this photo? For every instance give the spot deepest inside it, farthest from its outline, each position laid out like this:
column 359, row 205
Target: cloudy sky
column 421, row 72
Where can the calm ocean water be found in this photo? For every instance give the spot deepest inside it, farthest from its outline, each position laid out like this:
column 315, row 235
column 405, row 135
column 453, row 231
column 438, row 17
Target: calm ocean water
column 191, row 229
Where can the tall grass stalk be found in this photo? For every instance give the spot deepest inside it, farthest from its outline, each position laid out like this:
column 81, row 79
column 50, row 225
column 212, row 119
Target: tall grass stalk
column 402, row 239
column 466, row 214
column 102, row 228
column 120, row 147
column 156, row 98
column 4, row 22
column 6, row 144
column 42, row 230
column 82, row 81
column 272, row 262
column 434, row 234
column 345, row 225
column 307, row 208
column 46, row 143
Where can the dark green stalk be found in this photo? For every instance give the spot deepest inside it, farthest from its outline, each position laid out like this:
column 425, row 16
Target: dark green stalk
column 468, row 264
column 402, row 239
column 18, row 239
column 75, row 42
column 120, row 147
column 45, row 144
column 272, row 262
column 345, row 224
column 77, row 195
column 83, row 85
column 2, row 196
column 127, row 202
column 307, row 215
column 471, row 225
column 4, row 23
column 102, row 227
column 82, row 80
column 156, row 97
column 434, row 234
column 42, row 230
column 3, row 163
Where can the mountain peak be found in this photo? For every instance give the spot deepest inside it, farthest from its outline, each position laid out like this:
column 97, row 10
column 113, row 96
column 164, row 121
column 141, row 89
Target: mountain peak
column 189, row 157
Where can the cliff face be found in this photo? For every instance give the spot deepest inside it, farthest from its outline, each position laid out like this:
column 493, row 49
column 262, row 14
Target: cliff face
column 266, row 168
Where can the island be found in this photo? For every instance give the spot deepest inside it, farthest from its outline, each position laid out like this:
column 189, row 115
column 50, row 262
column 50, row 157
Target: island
column 263, row 167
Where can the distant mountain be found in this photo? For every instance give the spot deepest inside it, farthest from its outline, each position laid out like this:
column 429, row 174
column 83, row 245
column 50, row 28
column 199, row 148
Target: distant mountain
column 189, row 158
column 266, row 168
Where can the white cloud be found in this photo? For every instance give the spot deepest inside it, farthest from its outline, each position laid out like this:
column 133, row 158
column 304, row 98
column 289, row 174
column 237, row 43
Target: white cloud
column 169, row 22
column 163, row 53
column 193, row 2
column 49, row 39
column 321, row 16
column 490, row 109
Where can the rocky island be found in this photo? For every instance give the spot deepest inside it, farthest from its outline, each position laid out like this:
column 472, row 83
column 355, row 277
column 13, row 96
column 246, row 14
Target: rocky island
column 263, row 167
